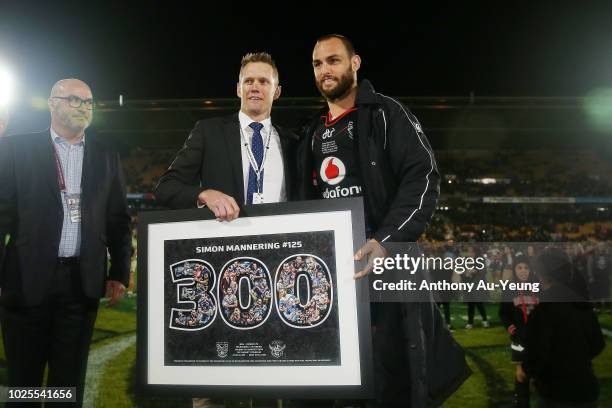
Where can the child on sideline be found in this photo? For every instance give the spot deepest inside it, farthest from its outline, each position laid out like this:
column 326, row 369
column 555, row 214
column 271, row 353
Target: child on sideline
column 514, row 312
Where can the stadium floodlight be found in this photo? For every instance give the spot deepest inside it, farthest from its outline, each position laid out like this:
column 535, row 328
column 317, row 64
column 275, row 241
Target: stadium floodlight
column 7, row 85
column 598, row 109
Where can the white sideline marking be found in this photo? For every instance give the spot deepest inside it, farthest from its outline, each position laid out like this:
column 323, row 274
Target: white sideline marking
column 97, row 362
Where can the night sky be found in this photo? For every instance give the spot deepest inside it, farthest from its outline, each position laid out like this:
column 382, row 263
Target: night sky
column 148, row 50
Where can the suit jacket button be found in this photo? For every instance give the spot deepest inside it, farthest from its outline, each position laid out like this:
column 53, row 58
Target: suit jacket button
column 373, row 163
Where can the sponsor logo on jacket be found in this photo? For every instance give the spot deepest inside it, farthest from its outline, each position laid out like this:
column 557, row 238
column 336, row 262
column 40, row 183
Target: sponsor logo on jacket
column 332, row 170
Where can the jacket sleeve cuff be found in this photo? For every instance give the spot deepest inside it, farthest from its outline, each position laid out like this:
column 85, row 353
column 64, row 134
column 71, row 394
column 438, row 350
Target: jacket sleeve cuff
column 123, row 277
column 386, row 235
column 190, row 196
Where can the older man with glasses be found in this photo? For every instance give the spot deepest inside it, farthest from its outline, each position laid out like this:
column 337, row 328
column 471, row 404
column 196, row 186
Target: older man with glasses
column 63, row 202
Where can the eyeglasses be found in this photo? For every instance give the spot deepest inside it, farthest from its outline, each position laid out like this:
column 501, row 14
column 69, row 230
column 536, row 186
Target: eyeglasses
column 76, row 102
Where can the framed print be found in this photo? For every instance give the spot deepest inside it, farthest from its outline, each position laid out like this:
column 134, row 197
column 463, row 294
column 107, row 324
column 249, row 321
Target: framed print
column 262, row 306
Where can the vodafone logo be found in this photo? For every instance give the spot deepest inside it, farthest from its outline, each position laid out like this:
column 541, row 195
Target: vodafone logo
column 332, row 170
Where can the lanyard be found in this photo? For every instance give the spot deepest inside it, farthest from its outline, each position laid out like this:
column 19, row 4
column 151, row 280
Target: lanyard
column 257, row 169
column 58, row 168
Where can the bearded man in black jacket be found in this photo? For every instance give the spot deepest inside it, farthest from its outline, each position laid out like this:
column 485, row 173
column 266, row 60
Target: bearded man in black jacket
column 365, row 144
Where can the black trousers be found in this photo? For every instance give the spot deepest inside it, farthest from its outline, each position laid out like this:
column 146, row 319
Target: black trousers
column 56, row 333
column 391, row 370
column 447, row 311
column 471, row 310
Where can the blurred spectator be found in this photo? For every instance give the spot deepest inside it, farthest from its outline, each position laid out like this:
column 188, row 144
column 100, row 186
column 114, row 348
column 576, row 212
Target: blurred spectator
column 439, row 274
column 524, row 173
column 599, row 271
column 563, row 336
column 143, row 167
column 474, row 298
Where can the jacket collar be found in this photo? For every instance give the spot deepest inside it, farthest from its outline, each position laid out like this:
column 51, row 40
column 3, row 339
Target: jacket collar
column 232, row 140
column 45, row 160
column 59, row 139
column 231, row 133
column 284, row 134
column 365, row 93
column 365, row 96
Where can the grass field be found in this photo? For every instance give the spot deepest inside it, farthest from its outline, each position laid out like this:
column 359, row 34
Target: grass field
column 111, row 369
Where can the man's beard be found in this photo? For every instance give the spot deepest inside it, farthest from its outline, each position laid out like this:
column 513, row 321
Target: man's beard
column 72, row 123
column 345, row 84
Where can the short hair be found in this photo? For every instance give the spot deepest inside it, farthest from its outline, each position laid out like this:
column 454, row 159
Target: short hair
column 348, row 44
column 62, row 83
column 258, row 57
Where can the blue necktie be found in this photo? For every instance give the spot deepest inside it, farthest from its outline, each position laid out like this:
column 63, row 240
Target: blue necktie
column 257, row 148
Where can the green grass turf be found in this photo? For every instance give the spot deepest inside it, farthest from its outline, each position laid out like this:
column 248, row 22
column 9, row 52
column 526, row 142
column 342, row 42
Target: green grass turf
column 602, row 364
column 494, row 336
column 120, row 377
column 471, row 392
column 494, row 363
column 115, row 321
column 605, row 318
column 120, row 318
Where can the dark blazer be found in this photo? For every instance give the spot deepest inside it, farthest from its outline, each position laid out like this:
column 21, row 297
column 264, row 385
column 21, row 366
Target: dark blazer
column 211, row 159
column 31, row 212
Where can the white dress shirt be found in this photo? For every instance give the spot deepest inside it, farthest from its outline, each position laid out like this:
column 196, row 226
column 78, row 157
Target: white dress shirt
column 71, row 159
column 274, row 174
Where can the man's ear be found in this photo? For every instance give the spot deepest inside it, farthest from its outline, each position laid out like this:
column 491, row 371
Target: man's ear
column 238, row 90
column 356, row 62
column 277, row 92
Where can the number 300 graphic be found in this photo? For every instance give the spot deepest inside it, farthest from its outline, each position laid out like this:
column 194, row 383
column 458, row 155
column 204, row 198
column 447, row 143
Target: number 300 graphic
column 194, row 279
column 245, row 293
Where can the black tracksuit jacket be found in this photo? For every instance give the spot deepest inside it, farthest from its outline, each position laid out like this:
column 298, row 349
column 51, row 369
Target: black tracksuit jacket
column 401, row 185
column 400, row 177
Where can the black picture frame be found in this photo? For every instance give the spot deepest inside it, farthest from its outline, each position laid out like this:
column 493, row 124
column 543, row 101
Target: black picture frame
column 364, row 389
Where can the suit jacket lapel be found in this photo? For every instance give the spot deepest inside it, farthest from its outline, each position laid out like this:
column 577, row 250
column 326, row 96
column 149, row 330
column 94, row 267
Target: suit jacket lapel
column 88, row 172
column 46, row 163
column 231, row 134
